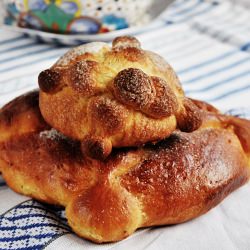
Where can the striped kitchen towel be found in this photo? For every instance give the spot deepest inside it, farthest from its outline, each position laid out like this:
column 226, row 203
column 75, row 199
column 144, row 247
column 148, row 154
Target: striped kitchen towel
column 208, row 44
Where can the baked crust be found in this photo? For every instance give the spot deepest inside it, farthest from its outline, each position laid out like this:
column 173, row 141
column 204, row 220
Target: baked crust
column 170, row 182
column 114, row 97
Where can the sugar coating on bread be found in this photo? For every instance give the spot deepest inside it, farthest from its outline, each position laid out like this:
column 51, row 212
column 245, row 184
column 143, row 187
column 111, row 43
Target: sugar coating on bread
column 51, row 134
column 93, row 47
column 125, row 42
column 138, row 82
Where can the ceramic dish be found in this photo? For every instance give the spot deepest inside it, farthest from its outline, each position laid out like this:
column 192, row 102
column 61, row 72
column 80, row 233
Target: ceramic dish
column 149, row 18
column 76, row 16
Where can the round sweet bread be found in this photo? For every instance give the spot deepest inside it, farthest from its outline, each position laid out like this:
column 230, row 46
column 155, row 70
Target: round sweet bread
column 170, row 182
column 114, row 97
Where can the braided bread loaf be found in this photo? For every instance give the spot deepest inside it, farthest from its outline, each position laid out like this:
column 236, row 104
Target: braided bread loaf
column 170, row 182
column 119, row 96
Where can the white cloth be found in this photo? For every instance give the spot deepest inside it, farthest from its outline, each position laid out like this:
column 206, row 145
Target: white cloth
column 208, row 44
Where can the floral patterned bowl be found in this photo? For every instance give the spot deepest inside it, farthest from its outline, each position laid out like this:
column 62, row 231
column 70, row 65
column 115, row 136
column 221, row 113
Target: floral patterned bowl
column 76, row 16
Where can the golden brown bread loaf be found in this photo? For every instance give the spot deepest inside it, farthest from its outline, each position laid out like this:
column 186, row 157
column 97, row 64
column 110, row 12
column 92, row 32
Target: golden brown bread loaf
column 119, row 96
column 173, row 181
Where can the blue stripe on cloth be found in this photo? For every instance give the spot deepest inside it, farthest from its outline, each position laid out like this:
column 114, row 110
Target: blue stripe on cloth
column 12, row 40
column 26, row 54
column 240, row 112
column 38, row 206
column 175, row 39
column 226, row 33
column 33, row 232
column 219, row 70
column 165, row 43
column 209, row 61
column 23, row 206
column 23, row 46
column 8, row 80
column 245, row 47
column 18, row 86
column 170, row 21
column 187, row 9
column 190, row 52
column 180, row 53
column 79, row 42
column 229, row 93
column 178, row 3
column 25, row 237
column 29, row 63
column 219, row 83
column 54, row 209
column 40, row 225
column 39, row 246
column 179, row 48
column 3, row 185
column 25, row 216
